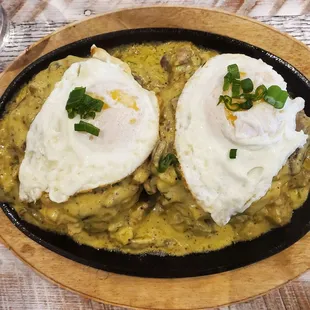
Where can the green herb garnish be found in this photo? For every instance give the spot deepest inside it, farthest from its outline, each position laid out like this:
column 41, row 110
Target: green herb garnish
column 246, row 105
column 87, row 127
column 74, row 100
column 166, row 161
column 276, row 96
column 247, row 96
column 229, row 104
column 260, row 92
column 223, row 98
column 79, row 103
column 227, row 81
column 234, row 71
column 235, row 88
column 247, row 85
column 233, row 153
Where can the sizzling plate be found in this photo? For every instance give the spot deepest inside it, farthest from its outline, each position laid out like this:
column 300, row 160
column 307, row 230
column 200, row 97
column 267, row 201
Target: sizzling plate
column 150, row 265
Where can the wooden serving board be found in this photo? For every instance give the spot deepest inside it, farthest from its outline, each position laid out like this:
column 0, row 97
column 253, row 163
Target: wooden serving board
column 188, row 293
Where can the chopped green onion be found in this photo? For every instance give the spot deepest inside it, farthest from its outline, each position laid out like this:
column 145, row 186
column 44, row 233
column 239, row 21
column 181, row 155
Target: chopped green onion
column 79, row 103
column 89, row 106
column 235, row 89
column 233, row 153
column 87, row 127
column 247, row 85
column 232, row 106
column 276, row 96
column 75, row 98
column 91, row 114
column 221, row 99
column 166, row 161
column 234, row 71
column 281, row 100
column 260, row 92
column 228, row 103
column 71, row 114
column 246, row 105
column 95, row 104
column 247, row 96
column 227, row 81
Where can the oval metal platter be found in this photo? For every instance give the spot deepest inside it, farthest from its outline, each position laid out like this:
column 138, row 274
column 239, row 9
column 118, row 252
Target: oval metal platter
column 156, row 265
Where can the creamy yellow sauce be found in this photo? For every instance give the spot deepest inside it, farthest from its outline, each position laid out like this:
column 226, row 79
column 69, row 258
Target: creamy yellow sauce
column 148, row 211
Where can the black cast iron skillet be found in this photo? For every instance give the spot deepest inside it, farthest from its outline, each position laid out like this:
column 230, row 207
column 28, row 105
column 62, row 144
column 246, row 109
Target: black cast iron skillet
column 163, row 266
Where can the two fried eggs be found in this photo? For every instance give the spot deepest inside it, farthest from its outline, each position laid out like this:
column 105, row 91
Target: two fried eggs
column 63, row 162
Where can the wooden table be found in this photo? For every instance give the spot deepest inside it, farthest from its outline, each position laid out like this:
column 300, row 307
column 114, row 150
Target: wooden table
column 20, row 287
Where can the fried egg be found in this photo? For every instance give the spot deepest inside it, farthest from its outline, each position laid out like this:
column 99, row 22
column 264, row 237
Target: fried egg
column 61, row 161
column 206, row 132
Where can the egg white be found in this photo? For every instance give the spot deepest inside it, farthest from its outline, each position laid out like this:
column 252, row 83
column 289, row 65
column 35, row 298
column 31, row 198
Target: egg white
column 205, row 132
column 63, row 162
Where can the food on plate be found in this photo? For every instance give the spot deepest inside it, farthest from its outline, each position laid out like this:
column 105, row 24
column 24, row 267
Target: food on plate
column 96, row 127
column 67, row 165
column 229, row 153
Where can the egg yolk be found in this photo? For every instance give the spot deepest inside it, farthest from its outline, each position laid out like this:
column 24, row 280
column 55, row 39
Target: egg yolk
column 230, row 117
column 125, row 99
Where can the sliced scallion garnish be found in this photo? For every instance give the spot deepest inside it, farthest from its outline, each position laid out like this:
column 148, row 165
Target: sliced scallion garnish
column 166, row 161
column 93, row 104
column 227, row 81
column 221, row 99
column 234, row 71
column 235, row 89
column 247, row 85
column 75, row 100
column 276, row 96
column 246, row 105
column 260, row 92
column 79, row 103
column 229, row 104
column 247, row 96
column 91, row 114
column 233, row 153
column 87, row 127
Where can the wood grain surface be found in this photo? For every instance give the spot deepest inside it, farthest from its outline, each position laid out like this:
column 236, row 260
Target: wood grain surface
column 60, row 10
column 20, row 288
